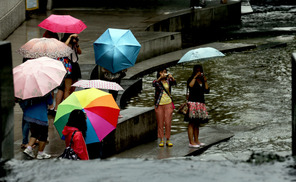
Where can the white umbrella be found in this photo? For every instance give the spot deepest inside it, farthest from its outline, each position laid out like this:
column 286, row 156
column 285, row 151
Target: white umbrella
column 200, row 54
column 37, row 77
column 101, row 84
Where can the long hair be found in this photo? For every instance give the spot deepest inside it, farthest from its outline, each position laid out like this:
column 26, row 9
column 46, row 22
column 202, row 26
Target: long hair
column 195, row 70
column 65, row 37
column 50, row 34
column 77, row 119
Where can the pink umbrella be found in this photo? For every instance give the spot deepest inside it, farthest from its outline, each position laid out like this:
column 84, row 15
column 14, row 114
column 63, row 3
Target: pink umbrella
column 37, row 77
column 101, row 84
column 39, row 47
column 62, row 24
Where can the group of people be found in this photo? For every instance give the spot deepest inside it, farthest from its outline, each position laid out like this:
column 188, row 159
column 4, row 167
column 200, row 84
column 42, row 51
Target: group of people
column 36, row 110
column 164, row 105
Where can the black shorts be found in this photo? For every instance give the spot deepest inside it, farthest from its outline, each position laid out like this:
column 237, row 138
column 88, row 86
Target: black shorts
column 39, row 131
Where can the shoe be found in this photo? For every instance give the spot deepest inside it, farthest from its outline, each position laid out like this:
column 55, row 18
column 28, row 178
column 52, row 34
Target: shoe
column 43, row 156
column 169, row 143
column 29, row 152
column 193, row 146
column 161, row 144
column 202, row 144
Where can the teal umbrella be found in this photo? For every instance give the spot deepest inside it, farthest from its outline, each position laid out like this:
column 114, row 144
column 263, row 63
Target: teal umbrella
column 116, row 49
column 200, row 54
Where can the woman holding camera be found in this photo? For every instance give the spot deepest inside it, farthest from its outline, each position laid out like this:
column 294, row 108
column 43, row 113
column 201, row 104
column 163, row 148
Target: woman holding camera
column 72, row 66
column 197, row 112
column 164, row 106
column 72, row 40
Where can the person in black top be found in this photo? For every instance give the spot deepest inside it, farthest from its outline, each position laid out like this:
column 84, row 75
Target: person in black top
column 197, row 112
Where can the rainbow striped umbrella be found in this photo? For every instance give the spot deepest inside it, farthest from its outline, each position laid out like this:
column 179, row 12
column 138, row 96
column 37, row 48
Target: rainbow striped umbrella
column 100, row 108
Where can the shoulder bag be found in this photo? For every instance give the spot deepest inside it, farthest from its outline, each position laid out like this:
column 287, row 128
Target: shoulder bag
column 183, row 108
column 69, row 152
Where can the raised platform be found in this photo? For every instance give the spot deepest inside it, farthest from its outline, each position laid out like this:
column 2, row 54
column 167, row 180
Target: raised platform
column 208, row 135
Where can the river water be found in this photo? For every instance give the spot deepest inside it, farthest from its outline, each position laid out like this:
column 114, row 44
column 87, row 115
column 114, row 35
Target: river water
column 250, row 96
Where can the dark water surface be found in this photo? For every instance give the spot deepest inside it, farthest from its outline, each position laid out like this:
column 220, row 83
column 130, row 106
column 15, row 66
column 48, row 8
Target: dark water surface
column 250, row 96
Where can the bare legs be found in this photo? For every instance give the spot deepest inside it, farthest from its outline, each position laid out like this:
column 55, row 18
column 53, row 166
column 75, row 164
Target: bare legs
column 63, row 94
column 59, row 98
column 68, row 84
column 193, row 133
column 41, row 144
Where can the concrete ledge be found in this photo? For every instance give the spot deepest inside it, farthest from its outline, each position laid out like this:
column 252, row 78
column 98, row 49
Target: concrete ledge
column 137, row 126
column 12, row 16
column 198, row 19
column 171, row 59
column 131, row 86
column 131, row 89
column 157, row 43
column 209, row 135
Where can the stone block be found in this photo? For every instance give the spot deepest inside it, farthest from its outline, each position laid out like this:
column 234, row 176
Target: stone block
column 6, row 102
column 12, row 14
column 137, row 126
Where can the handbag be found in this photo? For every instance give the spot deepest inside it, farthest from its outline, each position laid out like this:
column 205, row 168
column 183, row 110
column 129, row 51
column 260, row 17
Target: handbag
column 183, row 108
column 69, row 152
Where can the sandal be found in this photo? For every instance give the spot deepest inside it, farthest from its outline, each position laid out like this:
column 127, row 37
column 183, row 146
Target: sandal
column 169, row 143
column 161, row 144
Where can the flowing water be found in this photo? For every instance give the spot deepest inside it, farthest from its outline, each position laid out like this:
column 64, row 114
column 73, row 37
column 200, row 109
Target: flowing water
column 250, row 96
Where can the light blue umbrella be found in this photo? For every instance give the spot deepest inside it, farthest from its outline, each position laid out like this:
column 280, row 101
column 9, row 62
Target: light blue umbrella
column 116, row 49
column 200, row 54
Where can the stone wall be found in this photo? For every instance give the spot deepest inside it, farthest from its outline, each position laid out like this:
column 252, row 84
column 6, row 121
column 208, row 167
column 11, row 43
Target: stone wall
column 6, row 102
column 199, row 24
column 12, row 14
column 293, row 61
column 158, row 43
column 137, row 126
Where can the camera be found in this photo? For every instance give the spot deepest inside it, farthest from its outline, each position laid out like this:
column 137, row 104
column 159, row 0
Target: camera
column 75, row 38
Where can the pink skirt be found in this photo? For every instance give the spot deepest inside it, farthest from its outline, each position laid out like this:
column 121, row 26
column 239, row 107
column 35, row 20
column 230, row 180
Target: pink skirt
column 197, row 110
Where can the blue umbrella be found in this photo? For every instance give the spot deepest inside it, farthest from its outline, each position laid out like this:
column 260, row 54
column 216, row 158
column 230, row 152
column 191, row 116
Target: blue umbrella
column 200, row 54
column 116, row 49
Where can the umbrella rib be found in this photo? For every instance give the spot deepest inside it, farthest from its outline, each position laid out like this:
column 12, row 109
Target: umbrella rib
column 124, row 55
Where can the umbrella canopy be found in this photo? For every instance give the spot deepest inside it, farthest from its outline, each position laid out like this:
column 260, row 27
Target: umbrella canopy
column 101, row 84
column 63, row 24
column 37, row 77
column 100, row 108
column 49, row 47
column 200, row 54
column 116, row 49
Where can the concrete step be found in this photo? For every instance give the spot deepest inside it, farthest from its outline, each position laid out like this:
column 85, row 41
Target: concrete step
column 171, row 59
column 208, row 135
